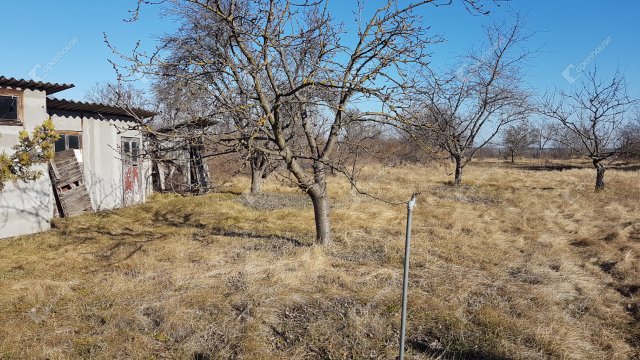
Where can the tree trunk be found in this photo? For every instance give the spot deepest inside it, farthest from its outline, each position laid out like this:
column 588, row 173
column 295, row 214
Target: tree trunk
column 457, row 180
column 317, row 190
column 600, row 169
column 320, row 200
column 256, row 178
column 321, row 215
column 512, row 156
column 259, row 165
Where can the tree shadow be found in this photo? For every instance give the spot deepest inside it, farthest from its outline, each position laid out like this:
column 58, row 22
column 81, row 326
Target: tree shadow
column 122, row 244
column 179, row 219
column 547, row 167
column 247, row 234
column 111, row 238
column 436, row 350
column 562, row 167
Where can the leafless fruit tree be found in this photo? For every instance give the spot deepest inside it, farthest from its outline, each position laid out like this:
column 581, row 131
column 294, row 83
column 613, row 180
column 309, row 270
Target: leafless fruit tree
column 518, row 137
column 122, row 94
column 631, row 139
column 230, row 129
column 464, row 109
column 361, row 143
column 542, row 135
column 291, row 64
column 592, row 115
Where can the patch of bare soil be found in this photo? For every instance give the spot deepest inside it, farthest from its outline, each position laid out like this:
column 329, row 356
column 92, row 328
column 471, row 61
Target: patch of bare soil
column 463, row 194
column 270, row 201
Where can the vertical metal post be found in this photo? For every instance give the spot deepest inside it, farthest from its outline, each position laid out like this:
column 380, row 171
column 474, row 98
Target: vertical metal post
column 405, row 280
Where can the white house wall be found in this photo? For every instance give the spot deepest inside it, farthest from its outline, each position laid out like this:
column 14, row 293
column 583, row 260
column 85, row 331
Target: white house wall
column 26, row 208
column 101, row 158
column 67, row 123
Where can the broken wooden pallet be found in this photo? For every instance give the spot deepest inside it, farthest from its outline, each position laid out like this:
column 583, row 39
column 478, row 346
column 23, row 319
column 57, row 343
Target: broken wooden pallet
column 70, row 189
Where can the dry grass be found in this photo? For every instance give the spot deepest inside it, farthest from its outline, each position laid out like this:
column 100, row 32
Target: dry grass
column 517, row 264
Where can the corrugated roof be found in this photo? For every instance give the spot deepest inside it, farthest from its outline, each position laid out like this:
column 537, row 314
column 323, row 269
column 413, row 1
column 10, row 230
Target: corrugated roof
column 200, row 123
column 49, row 88
column 103, row 109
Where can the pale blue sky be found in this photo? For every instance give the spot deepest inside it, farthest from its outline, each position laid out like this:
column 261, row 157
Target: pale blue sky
column 69, row 35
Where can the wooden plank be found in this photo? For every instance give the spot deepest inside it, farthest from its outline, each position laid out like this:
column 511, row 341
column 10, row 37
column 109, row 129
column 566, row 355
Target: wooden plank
column 62, row 168
column 75, row 194
column 79, row 203
column 72, row 177
column 68, row 179
column 66, row 165
column 76, row 205
column 65, row 154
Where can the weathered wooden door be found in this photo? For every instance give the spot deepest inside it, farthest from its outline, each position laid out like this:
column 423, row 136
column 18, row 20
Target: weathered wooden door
column 131, row 177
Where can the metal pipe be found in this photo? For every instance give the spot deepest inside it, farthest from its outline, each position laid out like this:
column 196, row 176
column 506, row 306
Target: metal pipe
column 405, row 280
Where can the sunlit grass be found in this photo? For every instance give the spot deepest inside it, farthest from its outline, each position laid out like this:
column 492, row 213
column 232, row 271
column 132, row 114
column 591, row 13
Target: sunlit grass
column 515, row 264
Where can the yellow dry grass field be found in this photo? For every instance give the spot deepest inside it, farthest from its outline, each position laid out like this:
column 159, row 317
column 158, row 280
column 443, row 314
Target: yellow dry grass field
column 516, row 264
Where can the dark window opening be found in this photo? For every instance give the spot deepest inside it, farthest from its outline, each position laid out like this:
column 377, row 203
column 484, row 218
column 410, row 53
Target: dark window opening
column 73, row 141
column 68, row 141
column 134, row 152
column 131, row 151
column 61, row 144
column 8, row 107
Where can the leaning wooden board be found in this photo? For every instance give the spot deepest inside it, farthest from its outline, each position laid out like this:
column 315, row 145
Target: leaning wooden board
column 69, row 185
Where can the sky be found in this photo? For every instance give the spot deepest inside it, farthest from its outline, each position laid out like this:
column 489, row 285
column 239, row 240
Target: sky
column 63, row 40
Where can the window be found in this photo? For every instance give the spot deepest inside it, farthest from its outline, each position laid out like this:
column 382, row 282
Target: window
column 131, row 151
column 10, row 106
column 68, row 141
column 134, row 151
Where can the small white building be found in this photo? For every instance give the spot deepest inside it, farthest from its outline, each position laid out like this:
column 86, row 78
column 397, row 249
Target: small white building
column 107, row 144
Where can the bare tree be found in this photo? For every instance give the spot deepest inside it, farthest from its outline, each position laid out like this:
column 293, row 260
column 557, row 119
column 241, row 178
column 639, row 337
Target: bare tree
column 122, row 94
column 593, row 113
column 630, row 140
column 233, row 131
column 290, row 63
column 518, row 137
column 464, row 109
column 542, row 135
column 630, row 137
column 357, row 146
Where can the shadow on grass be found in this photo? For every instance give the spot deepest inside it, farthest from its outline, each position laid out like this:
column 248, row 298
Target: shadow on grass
column 187, row 220
column 248, row 234
column 423, row 346
column 117, row 236
column 177, row 219
column 124, row 245
column 562, row 167
column 547, row 167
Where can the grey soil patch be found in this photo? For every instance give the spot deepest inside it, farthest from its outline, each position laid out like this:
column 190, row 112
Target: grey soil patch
column 268, row 201
column 463, row 194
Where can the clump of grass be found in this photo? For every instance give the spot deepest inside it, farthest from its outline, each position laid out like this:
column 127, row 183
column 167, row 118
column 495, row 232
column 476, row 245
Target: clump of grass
column 516, row 264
